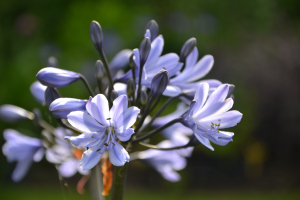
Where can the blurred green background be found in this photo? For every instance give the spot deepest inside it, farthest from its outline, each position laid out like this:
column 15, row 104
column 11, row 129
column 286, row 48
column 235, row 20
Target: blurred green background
column 255, row 44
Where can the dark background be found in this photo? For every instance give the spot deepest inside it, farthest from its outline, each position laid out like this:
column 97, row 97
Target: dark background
column 255, row 44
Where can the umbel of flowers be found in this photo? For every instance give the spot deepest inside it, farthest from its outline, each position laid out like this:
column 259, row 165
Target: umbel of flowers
column 97, row 134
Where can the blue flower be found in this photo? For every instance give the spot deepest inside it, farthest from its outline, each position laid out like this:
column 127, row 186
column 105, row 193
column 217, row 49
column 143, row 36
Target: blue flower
column 165, row 162
column 65, row 155
column 60, row 108
column 22, row 149
column 102, row 128
column 56, row 78
column 194, row 71
column 209, row 114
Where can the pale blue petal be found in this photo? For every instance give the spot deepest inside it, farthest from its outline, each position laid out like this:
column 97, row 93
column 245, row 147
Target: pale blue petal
column 172, row 91
column 213, row 109
column 38, row 91
column 118, row 155
column 202, row 68
column 228, row 119
column 21, row 169
column 120, row 88
column 201, row 96
column 191, row 59
column 120, row 105
column 68, row 168
column 218, row 95
column 156, row 50
column 204, row 141
column 39, row 154
column 120, row 60
column 91, row 157
column 125, row 134
column 84, row 122
column 98, row 108
column 127, row 118
column 83, row 139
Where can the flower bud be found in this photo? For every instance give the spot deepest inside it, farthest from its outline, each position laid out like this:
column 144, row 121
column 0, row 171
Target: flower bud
column 153, row 27
column 131, row 87
column 131, row 62
column 13, row 114
column 230, row 91
column 52, row 62
column 99, row 69
column 61, row 107
column 159, row 82
column 50, row 95
column 143, row 98
column 56, row 78
column 38, row 91
column 187, row 49
column 96, row 35
column 113, row 95
column 145, row 48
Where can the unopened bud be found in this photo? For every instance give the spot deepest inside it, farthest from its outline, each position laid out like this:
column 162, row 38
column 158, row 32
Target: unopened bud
column 99, row 72
column 153, row 27
column 159, row 82
column 96, row 35
column 187, row 49
column 61, row 107
column 143, row 98
column 56, row 78
column 50, row 95
column 131, row 86
column 113, row 95
column 230, row 91
column 13, row 114
column 145, row 48
column 52, row 62
column 38, row 91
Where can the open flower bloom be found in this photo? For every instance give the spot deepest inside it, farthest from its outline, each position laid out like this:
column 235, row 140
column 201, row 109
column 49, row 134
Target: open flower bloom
column 194, row 71
column 66, row 155
column 102, row 128
column 165, row 162
column 209, row 114
column 154, row 64
column 22, row 149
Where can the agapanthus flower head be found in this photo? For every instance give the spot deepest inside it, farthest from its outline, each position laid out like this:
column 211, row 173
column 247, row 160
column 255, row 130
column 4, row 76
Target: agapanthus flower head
column 102, row 128
column 207, row 115
column 56, row 78
column 60, row 108
column 165, row 162
column 13, row 114
column 65, row 155
column 22, row 149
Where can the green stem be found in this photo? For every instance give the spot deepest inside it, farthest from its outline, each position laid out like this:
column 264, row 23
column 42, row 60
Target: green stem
column 149, row 134
column 96, row 183
column 87, row 85
column 162, row 108
column 119, row 179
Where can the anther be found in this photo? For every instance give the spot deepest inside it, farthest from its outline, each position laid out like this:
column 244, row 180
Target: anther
column 106, row 144
column 98, row 150
column 108, row 118
column 113, row 143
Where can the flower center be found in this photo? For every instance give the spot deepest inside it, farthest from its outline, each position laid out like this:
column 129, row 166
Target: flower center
column 214, row 127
